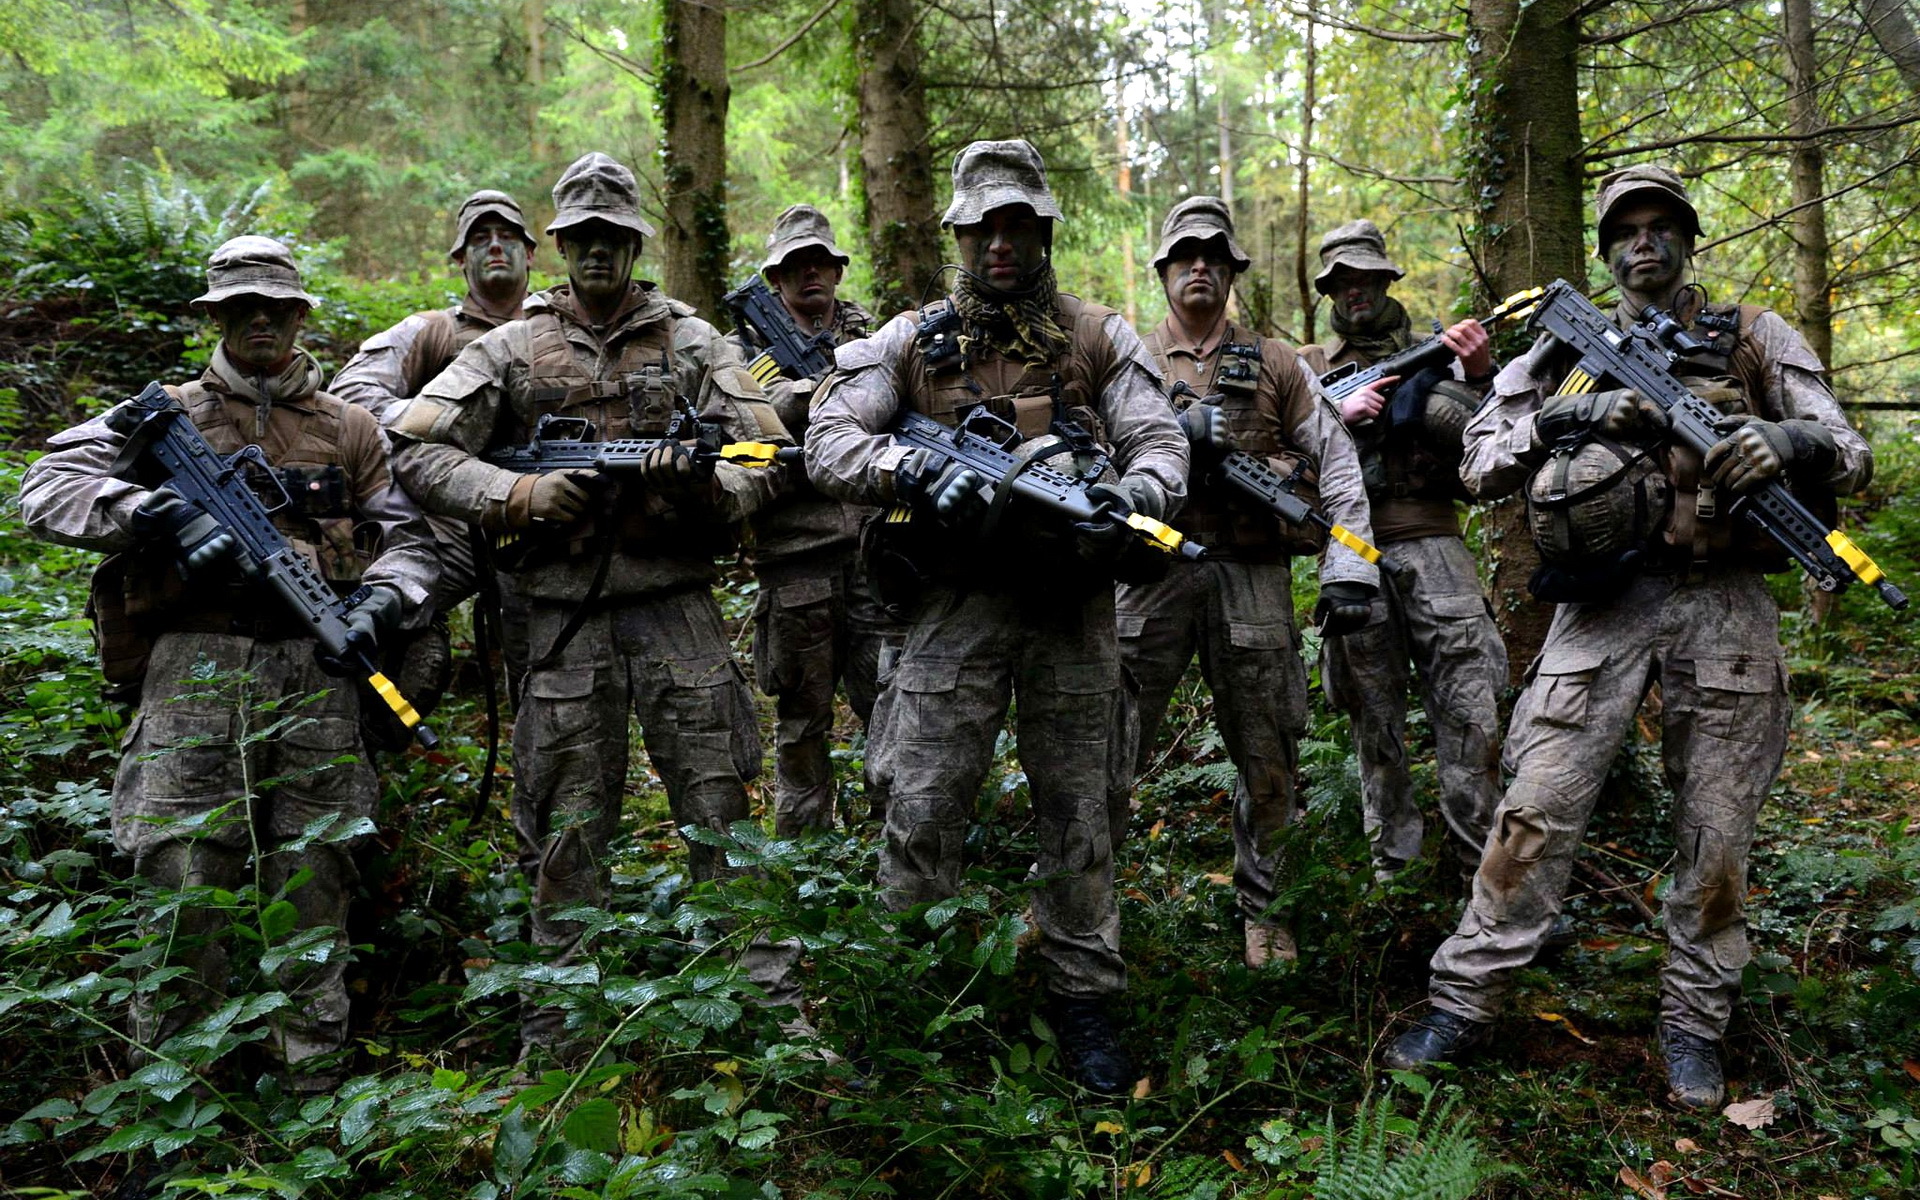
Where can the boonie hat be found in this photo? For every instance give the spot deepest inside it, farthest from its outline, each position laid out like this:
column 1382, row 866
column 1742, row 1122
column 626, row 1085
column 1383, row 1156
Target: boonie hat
column 797, row 228
column 481, row 205
column 596, row 188
column 252, row 265
column 990, row 175
column 1358, row 245
column 1199, row 219
column 1648, row 181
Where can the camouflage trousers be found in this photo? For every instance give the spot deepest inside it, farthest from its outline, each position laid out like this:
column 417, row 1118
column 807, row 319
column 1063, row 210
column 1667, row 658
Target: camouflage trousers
column 190, row 807
column 421, row 662
column 968, row 654
column 1713, row 645
column 664, row 660
column 816, row 625
column 1238, row 618
column 1433, row 614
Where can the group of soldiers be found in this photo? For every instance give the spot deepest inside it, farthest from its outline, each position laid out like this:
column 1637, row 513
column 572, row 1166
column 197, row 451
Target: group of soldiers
column 935, row 599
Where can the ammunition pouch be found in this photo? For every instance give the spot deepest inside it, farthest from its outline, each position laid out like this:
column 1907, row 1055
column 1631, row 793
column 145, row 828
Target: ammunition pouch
column 123, row 642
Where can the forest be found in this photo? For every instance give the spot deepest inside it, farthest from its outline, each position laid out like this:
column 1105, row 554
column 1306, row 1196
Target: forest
column 135, row 136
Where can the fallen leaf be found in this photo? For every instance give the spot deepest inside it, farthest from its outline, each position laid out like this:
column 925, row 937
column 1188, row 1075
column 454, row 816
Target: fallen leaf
column 1143, row 1088
column 1640, row 1187
column 1108, row 1127
column 1662, row 1174
column 1687, row 1146
column 1751, row 1114
column 1219, row 877
column 1912, row 1068
column 1600, row 944
column 1696, row 1187
column 1233, row 1160
column 1565, row 1024
column 1142, row 1175
column 1159, row 827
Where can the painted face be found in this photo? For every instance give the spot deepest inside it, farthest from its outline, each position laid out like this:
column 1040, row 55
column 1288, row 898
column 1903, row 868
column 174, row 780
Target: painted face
column 1199, row 274
column 1005, row 246
column 806, row 281
column 1647, row 248
column 494, row 258
column 259, row 331
column 1357, row 296
column 600, row 260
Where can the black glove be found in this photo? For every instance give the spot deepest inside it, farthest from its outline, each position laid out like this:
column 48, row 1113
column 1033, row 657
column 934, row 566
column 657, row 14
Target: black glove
column 952, row 492
column 1206, row 428
column 1343, row 607
column 1754, row 451
column 1100, row 543
column 1614, row 413
column 195, row 535
column 669, row 470
column 374, row 618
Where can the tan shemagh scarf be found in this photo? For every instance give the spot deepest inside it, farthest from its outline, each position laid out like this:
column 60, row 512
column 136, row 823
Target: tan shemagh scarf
column 1023, row 328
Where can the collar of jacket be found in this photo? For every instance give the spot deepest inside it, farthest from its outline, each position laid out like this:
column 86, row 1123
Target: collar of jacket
column 293, row 387
column 644, row 304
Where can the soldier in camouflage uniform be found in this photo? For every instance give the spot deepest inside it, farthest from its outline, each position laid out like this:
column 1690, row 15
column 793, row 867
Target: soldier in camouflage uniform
column 816, row 623
column 648, row 639
column 1026, row 613
column 1432, row 611
column 1235, row 608
column 1697, row 618
column 492, row 245
column 181, row 805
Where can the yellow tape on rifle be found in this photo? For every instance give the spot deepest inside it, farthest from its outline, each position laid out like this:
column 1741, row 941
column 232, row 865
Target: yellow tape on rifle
column 1520, row 304
column 750, row 454
column 899, row 514
column 764, row 370
column 1162, row 535
column 395, row 701
column 1863, row 566
column 1351, row 541
column 1578, row 383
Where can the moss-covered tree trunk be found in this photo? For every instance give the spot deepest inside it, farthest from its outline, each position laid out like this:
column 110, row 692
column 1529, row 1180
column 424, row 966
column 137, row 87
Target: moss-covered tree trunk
column 896, row 160
column 1812, row 293
column 1524, row 167
column 693, row 123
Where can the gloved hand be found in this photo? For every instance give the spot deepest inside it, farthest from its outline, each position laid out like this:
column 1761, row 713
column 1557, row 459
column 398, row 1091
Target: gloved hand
column 669, row 469
column 1207, row 431
column 200, row 541
column 1754, row 451
column 952, row 492
column 1613, row 413
column 374, row 618
column 1343, row 607
column 558, row 497
column 1100, row 543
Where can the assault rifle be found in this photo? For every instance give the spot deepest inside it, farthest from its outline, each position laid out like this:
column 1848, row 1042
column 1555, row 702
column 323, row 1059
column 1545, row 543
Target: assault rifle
column 985, row 443
column 1428, row 353
column 241, row 494
column 1639, row 358
column 563, row 443
column 1252, row 478
column 789, row 352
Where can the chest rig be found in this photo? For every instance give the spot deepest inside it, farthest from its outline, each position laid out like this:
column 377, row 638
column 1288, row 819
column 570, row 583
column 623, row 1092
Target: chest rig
column 1035, row 399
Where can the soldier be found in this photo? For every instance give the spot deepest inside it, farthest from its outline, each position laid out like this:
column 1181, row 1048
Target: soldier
column 492, row 245
column 181, row 802
column 1432, row 610
column 1026, row 613
column 1696, row 616
column 815, row 623
column 1243, row 392
column 615, row 585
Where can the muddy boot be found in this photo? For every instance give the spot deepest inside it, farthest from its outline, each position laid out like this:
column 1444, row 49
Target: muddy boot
column 1693, row 1070
column 1268, row 944
column 1440, row 1036
column 1089, row 1049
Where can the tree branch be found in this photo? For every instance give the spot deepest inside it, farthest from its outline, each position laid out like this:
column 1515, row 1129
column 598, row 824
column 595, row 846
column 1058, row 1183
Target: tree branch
column 1731, row 139
column 1372, row 31
column 818, row 16
column 1787, row 212
column 1616, row 37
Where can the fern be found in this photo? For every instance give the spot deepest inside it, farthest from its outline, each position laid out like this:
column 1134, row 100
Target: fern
column 1386, row 1157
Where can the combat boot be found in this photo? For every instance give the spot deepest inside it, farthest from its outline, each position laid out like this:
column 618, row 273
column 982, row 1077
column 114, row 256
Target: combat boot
column 1440, row 1036
column 1693, row 1070
column 1089, row 1049
column 1268, row 944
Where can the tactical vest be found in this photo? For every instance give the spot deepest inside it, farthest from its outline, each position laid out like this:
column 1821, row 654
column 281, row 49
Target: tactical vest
column 943, row 386
column 1227, row 527
column 1407, row 466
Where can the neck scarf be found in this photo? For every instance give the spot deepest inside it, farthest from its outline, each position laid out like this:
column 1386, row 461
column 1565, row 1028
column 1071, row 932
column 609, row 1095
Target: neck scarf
column 1022, row 327
column 1386, row 332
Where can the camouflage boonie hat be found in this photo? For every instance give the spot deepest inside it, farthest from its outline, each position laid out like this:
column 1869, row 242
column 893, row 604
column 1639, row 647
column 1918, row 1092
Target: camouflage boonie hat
column 1199, row 219
column 481, row 205
column 990, row 175
column 1359, row 245
column 1648, row 181
column 801, row 226
column 596, row 188
column 252, row 266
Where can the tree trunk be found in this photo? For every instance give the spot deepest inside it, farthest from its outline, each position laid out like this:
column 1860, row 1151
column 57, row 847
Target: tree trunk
column 1125, row 152
column 533, row 15
column 1524, row 169
column 1302, row 266
column 693, row 104
column 1812, row 293
column 1893, row 29
column 896, row 163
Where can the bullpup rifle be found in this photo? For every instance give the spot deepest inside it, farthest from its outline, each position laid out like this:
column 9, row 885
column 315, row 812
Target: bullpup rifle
column 985, row 443
column 789, row 352
column 241, row 493
column 1428, row 353
column 1639, row 358
column 562, row 443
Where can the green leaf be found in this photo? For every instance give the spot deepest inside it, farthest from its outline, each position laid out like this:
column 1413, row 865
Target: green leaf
column 595, row 1125
column 712, row 1012
column 47, row 1109
column 513, row 1147
column 278, row 919
column 1019, row 1059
